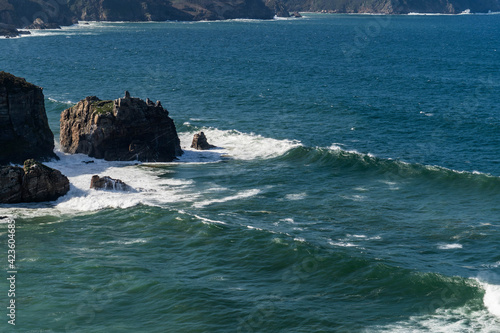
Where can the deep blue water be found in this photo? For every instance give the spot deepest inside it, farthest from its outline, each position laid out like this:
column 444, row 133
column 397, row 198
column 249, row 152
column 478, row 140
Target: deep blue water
column 356, row 187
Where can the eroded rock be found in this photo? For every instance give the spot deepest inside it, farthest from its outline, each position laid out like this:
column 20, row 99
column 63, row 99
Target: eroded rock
column 200, row 142
column 35, row 182
column 125, row 129
column 108, row 183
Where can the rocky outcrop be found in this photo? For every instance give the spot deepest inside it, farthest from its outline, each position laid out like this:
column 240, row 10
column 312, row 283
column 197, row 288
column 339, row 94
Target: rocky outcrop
column 41, row 25
column 108, row 183
column 33, row 183
column 200, row 142
column 125, row 129
column 24, row 128
column 10, row 31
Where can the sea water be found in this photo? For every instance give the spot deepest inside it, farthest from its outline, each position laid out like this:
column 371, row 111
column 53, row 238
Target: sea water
column 355, row 186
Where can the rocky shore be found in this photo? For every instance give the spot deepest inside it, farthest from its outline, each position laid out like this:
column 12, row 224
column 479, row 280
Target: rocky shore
column 124, row 129
column 51, row 14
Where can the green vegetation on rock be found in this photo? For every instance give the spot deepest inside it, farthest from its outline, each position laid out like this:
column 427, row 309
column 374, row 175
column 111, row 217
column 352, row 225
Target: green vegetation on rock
column 103, row 107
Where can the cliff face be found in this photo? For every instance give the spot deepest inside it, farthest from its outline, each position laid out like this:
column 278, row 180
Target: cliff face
column 125, row 129
column 394, row 6
column 126, row 10
column 161, row 10
column 51, row 13
column 22, row 13
column 24, row 128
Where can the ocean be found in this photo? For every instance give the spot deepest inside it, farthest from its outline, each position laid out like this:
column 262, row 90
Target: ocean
column 355, row 187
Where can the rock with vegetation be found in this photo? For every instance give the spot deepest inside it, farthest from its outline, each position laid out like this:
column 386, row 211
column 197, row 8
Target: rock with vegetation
column 125, row 129
column 35, row 182
column 24, row 128
column 200, row 142
column 108, row 183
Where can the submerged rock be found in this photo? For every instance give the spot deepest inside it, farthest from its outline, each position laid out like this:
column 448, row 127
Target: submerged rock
column 200, row 142
column 108, row 183
column 125, row 129
column 24, row 128
column 35, row 182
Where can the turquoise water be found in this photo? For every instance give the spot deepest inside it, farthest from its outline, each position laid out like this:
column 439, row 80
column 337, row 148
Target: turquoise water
column 355, row 187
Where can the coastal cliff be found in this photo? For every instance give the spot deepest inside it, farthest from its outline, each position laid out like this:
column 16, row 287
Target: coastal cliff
column 50, row 14
column 24, row 128
column 161, row 10
column 393, row 6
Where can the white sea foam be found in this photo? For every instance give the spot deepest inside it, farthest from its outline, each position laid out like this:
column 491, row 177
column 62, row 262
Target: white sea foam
column 492, row 298
column 234, row 144
column 450, row 246
column 461, row 320
column 150, row 181
column 296, row 196
column 239, row 195
column 455, row 320
column 338, row 147
column 208, row 221
column 127, row 242
column 151, row 185
column 341, row 244
column 62, row 102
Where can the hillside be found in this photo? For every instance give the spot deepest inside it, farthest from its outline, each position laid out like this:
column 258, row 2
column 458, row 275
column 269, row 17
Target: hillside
column 394, row 6
column 51, row 13
column 22, row 13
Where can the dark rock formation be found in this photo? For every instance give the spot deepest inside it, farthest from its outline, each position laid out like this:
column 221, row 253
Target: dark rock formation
column 108, row 183
column 33, row 183
column 392, row 6
column 22, row 13
column 125, row 129
column 11, row 178
column 296, row 15
column 10, row 31
column 40, row 24
column 160, row 10
column 24, row 128
column 126, row 10
column 278, row 7
column 200, row 142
